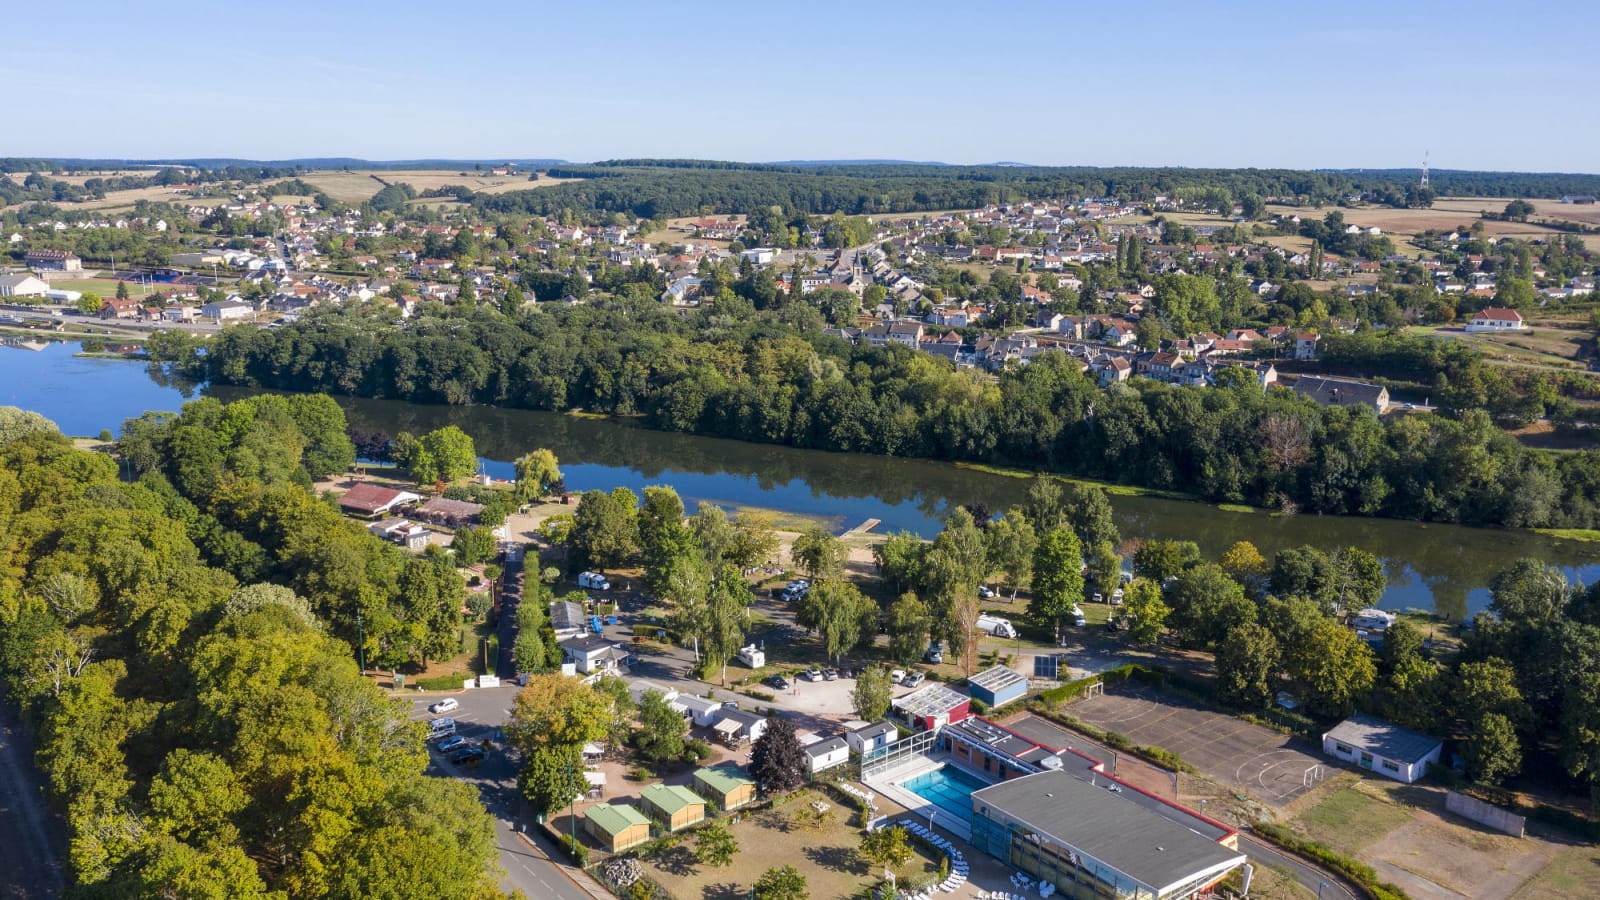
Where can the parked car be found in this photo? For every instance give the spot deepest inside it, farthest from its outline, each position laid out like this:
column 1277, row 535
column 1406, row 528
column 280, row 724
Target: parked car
column 441, row 729
column 1098, row 598
column 469, row 755
column 898, row 676
column 813, row 674
column 452, row 743
column 830, row 674
column 985, row 591
column 448, row 704
column 777, row 682
column 935, row 653
column 915, row 678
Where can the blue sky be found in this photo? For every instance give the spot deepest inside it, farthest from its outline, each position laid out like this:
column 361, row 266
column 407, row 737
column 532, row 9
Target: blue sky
column 1297, row 84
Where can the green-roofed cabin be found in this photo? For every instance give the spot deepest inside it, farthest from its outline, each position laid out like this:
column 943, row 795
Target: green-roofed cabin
column 616, row 827
column 674, row 806
column 725, row 785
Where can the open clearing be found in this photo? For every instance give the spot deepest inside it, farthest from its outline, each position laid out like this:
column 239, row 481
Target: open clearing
column 825, row 855
column 1574, row 873
column 361, row 184
column 1271, row 766
column 1404, row 832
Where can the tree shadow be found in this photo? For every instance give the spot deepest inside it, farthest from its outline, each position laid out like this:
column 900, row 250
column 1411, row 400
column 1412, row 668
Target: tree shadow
column 840, row 859
column 725, row 891
column 677, row 860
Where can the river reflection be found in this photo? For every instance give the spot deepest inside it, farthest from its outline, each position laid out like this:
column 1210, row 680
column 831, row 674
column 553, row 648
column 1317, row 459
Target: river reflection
column 1440, row 567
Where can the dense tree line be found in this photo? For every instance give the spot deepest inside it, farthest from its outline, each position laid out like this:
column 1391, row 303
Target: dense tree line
column 206, row 734
column 730, row 371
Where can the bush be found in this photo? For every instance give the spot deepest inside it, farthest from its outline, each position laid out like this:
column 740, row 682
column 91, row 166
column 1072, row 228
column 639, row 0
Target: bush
column 451, row 682
column 1363, row 875
column 697, row 750
column 575, row 849
column 759, row 695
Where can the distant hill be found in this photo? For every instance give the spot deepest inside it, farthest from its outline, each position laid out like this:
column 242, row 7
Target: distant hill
column 312, row 163
column 854, row 162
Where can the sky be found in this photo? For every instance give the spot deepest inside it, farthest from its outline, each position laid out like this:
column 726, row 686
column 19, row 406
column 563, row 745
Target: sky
column 1288, row 83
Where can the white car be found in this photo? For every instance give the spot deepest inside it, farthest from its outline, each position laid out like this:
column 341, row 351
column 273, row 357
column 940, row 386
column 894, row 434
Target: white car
column 448, row 704
column 897, row 676
column 985, row 591
column 813, row 674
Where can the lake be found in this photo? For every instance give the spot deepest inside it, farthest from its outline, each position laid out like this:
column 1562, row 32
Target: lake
column 1445, row 568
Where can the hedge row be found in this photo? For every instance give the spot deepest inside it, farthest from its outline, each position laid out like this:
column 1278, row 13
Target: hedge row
column 451, row 682
column 1362, row 875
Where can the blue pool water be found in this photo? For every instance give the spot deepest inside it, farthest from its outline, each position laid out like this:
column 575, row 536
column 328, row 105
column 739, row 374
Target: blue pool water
column 948, row 788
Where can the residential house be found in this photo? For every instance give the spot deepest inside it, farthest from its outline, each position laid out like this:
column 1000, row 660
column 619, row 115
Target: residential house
column 702, row 711
column 120, row 308
column 1496, row 318
column 1382, row 747
column 592, row 654
column 827, row 753
column 225, row 310
column 567, row 619
column 1339, row 392
column 866, row 738
column 447, row 512
column 1305, row 346
column 404, row 532
column 906, row 333
column 735, row 725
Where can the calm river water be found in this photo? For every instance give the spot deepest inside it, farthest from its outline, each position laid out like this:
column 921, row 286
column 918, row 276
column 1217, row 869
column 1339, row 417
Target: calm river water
column 1445, row 568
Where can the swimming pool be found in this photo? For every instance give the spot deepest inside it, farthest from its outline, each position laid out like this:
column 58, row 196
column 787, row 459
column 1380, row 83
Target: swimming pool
column 948, row 788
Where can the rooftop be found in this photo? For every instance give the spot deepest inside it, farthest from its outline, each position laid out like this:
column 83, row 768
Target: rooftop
column 589, row 643
column 1147, row 847
column 932, row 700
column 723, row 779
column 1384, row 739
column 671, row 798
column 614, row 818
column 997, row 679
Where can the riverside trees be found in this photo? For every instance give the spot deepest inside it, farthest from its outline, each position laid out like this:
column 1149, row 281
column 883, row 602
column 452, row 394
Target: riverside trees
column 203, row 730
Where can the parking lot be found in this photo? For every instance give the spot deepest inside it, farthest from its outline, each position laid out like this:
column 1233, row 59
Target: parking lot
column 1271, row 766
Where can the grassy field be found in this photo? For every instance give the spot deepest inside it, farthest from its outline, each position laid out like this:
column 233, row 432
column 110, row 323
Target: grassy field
column 358, row 185
column 1350, row 820
column 825, row 854
column 1574, row 873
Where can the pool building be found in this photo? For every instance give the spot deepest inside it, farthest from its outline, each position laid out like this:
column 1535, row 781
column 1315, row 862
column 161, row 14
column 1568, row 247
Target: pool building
column 1023, row 795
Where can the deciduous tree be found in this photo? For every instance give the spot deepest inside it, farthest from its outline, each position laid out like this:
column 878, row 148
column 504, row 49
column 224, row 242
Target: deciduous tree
column 777, row 761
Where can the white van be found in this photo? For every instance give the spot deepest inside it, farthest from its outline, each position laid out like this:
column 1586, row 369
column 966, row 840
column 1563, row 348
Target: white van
column 1373, row 620
column 593, row 581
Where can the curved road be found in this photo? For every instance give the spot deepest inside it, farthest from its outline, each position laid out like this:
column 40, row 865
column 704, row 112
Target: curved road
column 1263, row 853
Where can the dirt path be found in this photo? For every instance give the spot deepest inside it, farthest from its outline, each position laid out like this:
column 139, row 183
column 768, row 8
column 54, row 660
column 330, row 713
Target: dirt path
column 31, row 837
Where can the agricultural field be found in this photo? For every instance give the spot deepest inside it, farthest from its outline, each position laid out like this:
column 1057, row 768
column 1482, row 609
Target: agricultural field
column 1446, row 213
column 358, row 185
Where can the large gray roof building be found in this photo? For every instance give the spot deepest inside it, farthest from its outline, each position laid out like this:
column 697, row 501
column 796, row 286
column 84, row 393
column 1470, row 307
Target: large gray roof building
column 1092, row 841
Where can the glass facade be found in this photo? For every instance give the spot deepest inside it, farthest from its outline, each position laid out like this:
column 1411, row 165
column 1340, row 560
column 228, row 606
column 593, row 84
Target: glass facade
column 1075, row 875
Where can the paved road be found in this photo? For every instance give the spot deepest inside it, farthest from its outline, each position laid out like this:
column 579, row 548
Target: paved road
column 31, row 838
column 1325, row 885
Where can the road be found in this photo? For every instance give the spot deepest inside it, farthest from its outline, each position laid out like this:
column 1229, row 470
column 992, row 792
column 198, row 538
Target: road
column 1325, row 885
column 30, row 835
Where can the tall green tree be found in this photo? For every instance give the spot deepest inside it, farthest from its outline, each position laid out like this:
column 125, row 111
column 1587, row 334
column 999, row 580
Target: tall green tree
column 1247, row 661
column 1011, row 544
column 777, row 761
column 727, row 618
column 818, row 554
column 909, row 629
column 715, row 845
column 536, row 472
column 872, row 694
column 1146, row 609
column 662, row 731
column 1057, row 576
column 841, row 615
column 605, row 529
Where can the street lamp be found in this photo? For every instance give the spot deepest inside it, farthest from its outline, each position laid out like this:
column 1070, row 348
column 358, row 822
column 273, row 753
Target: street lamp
column 1319, row 889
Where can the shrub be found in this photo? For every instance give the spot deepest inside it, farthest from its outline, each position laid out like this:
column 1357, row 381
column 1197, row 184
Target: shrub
column 575, row 849
column 451, row 682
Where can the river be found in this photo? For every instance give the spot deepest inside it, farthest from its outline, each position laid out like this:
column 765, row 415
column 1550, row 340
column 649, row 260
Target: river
column 1443, row 568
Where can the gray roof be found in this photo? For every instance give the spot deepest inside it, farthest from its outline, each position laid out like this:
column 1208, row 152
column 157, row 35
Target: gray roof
column 998, row 679
column 1383, row 739
column 742, row 716
column 566, row 615
column 587, row 645
column 1147, row 847
column 824, row 747
column 875, row 729
column 1338, row 392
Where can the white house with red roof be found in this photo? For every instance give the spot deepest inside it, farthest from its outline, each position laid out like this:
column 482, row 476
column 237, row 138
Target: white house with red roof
column 1496, row 318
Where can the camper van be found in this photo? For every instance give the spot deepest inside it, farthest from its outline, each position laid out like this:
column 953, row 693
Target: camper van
column 1000, row 628
column 1373, row 620
column 593, row 581
column 752, row 656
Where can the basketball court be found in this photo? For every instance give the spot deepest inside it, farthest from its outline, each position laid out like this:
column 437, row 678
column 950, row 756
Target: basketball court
column 1272, row 767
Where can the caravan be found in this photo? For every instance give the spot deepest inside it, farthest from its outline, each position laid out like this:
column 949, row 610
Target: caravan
column 1000, row 628
column 1373, row 620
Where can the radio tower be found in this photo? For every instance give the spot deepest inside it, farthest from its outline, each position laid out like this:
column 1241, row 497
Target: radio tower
column 1424, row 168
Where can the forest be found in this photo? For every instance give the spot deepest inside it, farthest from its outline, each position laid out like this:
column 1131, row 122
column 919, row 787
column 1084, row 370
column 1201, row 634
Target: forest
column 669, row 188
column 179, row 636
column 730, row 370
